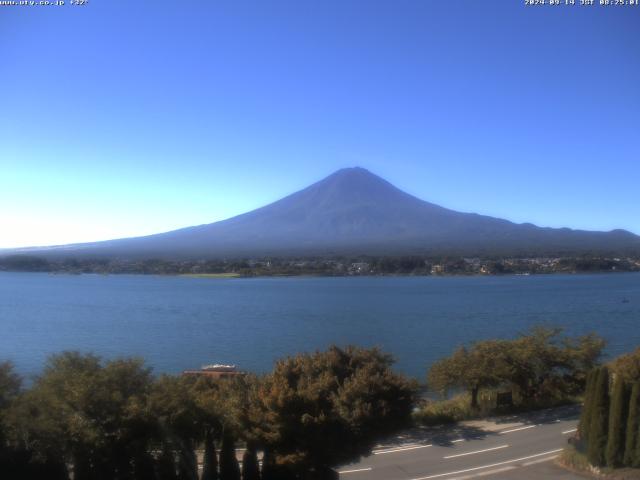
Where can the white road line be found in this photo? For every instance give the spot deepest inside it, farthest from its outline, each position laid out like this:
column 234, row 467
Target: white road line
column 570, row 431
column 546, row 459
column 458, row 440
column 494, row 471
column 488, row 466
column 517, row 429
column 402, row 449
column 484, row 474
column 477, row 451
column 355, row 470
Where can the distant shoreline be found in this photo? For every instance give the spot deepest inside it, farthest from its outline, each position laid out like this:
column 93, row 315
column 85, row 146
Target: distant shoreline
column 339, row 266
column 235, row 276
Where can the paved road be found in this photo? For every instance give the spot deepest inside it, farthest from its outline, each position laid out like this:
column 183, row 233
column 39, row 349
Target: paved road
column 516, row 447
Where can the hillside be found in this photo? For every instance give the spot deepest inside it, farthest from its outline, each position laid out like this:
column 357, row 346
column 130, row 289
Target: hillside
column 354, row 211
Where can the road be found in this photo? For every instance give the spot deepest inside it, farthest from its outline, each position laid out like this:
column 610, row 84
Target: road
column 522, row 447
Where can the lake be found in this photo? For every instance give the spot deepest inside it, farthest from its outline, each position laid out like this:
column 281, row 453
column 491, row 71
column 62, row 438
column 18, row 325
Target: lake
column 177, row 323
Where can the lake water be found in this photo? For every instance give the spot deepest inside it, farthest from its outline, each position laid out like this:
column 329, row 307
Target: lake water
column 178, row 323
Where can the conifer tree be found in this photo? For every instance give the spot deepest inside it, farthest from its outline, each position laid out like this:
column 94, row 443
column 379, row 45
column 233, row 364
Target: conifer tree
column 166, row 465
column 250, row 469
column 229, row 468
column 210, row 461
column 268, row 466
column 585, row 416
column 599, row 421
column 632, row 445
column 618, row 414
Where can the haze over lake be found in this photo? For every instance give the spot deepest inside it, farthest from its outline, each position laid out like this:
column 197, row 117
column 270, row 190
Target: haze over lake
column 178, row 323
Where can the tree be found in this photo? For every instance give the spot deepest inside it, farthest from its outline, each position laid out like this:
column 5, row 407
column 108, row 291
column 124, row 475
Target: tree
column 330, row 407
column 480, row 366
column 541, row 364
column 617, row 423
column 587, row 410
column 627, row 366
column 86, row 412
column 229, row 468
column 583, row 354
column 166, row 465
column 268, row 466
column 632, row 441
column 173, row 404
column 599, row 420
column 210, row 460
column 10, row 384
column 250, row 469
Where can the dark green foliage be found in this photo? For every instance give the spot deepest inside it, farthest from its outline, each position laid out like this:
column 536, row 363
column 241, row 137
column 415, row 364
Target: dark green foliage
column 632, row 441
column 229, row 468
column 210, row 460
column 586, row 414
column 599, row 420
column 250, row 468
column 269, row 470
column 541, row 365
column 330, row 407
column 617, row 423
column 187, row 463
column 143, row 467
column 166, row 465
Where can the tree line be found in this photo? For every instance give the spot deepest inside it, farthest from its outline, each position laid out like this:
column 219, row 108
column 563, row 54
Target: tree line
column 535, row 368
column 324, row 266
column 609, row 428
column 91, row 419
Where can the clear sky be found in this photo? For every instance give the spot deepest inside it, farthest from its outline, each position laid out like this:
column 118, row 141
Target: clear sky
column 122, row 118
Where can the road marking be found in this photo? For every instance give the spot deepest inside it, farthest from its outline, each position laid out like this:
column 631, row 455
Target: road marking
column 546, row 459
column 488, row 466
column 458, row 440
column 484, row 474
column 477, row 451
column 402, row 449
column 517, row 429
column 355, row 470
column 570, row 431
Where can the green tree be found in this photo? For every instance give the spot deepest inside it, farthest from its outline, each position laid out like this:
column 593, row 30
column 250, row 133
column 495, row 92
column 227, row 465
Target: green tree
column 268, row 466
column 331, row 407
column 599, row 421
column 540, row 364
column 86, row 413
column 632, row 441
column 617, row 423
column 210, row 460
column 229, row 468
column 173, row 404
column 587, row 410
column 250, row 468
column 10, row 384
column 480, row 366
column 583, row 354
column 627, row 366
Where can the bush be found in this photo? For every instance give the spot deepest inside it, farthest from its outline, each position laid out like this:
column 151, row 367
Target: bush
column 445, row 411
column 574, row 459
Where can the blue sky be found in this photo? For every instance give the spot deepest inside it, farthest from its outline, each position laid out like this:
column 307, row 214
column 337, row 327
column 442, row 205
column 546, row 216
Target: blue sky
column 124, row 118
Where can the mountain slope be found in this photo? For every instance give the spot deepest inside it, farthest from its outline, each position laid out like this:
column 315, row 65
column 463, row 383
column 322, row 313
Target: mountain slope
column 355, row 212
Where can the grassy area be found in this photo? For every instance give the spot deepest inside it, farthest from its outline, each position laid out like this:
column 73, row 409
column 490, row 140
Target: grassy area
column 211, row 275
column 458, row 408
column 576, row 461
column 445, row 411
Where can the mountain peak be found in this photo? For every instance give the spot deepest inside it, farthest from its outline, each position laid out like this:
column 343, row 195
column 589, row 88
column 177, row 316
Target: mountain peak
column 355, row 212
